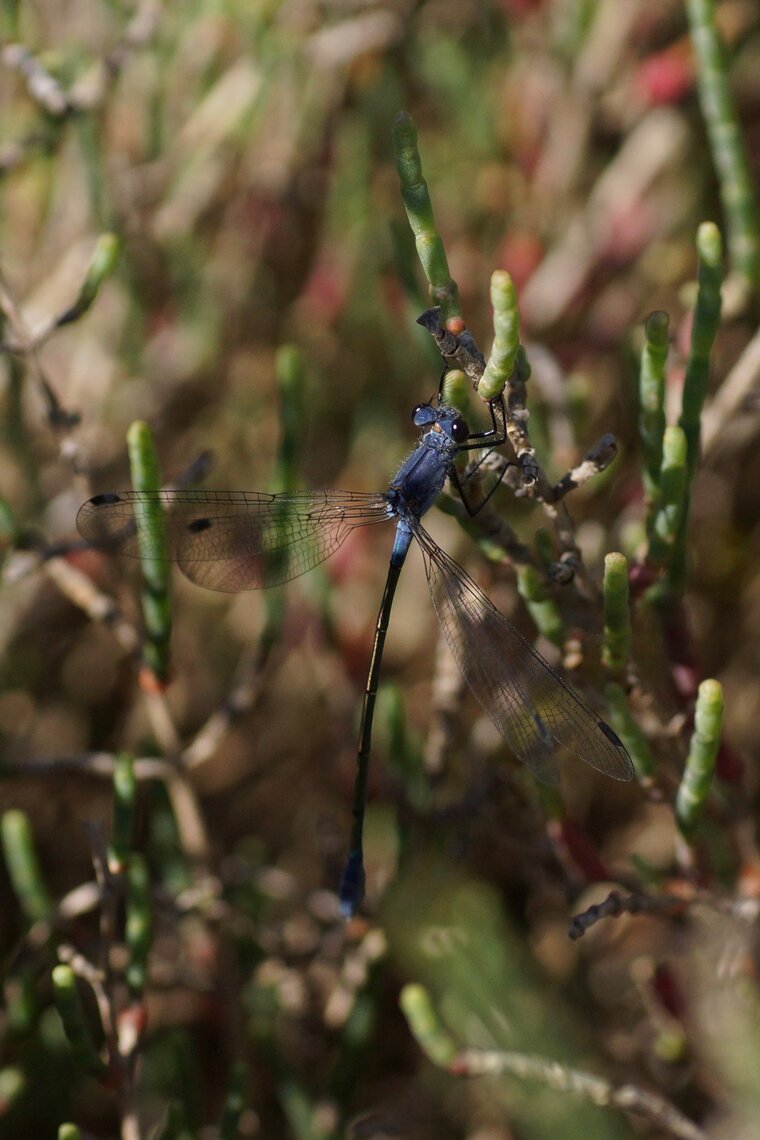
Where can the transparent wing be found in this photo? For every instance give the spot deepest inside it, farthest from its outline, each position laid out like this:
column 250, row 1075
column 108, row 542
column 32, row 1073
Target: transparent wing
column 528, row 701
column 231, row 540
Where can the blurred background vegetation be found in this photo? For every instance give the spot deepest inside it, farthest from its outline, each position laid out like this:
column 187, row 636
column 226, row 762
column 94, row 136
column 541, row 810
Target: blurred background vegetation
column 240, row 154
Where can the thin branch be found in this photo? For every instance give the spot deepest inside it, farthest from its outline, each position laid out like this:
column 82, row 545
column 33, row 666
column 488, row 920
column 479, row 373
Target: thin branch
column 616, row 904
column 596, row 460
column 562, row 1078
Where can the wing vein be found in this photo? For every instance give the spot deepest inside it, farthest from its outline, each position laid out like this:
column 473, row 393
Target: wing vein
column 529, row 702
column 233, row 540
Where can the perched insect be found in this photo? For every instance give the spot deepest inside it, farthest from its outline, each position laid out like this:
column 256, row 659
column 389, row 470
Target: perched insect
column 243, row 540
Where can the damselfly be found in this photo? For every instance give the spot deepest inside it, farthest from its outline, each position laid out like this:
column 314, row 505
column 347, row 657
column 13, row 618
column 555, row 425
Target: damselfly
column 243, row 540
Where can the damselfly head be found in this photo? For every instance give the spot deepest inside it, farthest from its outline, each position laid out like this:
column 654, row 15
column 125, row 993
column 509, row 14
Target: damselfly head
column 443, row 419
column 452, row 424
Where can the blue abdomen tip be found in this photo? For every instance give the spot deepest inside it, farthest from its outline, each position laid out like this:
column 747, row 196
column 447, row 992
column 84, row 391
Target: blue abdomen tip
column 352, row 882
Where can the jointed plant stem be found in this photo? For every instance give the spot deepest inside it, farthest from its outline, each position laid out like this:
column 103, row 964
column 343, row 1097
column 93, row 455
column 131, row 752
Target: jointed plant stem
column 440, row 1048
column 652, row 397
column 23, row 866
column 736, row 183
column 704, row 330
column 125, row 790
column 506, row 342
column 155, row 563
column 419, row 210
column 617, row 621
column 667, row 518
column 625, row 726
column 700, row 763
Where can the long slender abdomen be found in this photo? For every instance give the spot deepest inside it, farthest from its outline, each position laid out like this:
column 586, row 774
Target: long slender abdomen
column 401, row 543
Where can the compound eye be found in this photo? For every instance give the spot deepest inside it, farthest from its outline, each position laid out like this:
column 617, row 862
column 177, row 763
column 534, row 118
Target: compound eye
column 422, row 414
column 459, row 430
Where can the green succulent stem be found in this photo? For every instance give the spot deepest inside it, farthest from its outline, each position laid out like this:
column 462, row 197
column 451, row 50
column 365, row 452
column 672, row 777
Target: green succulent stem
column 737, row 186
column 105, row 257
column 426, row 1026
column 666, row 520
column 704, row 330
column 419, row 211
column 506, row 342
column 23, row 866
column 700, row 762
column 617, row 618
column 652, row 397
column 138, row 927
column 540, row 605
column 154, row 560
column 69, row 1005
column 124, row 795
column 621, row 718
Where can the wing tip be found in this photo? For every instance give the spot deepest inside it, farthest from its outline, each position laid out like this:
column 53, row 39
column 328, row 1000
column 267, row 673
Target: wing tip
column 627, row 772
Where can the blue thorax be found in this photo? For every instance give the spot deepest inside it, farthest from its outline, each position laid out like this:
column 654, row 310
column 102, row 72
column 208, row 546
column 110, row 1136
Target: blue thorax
column 420, row 478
